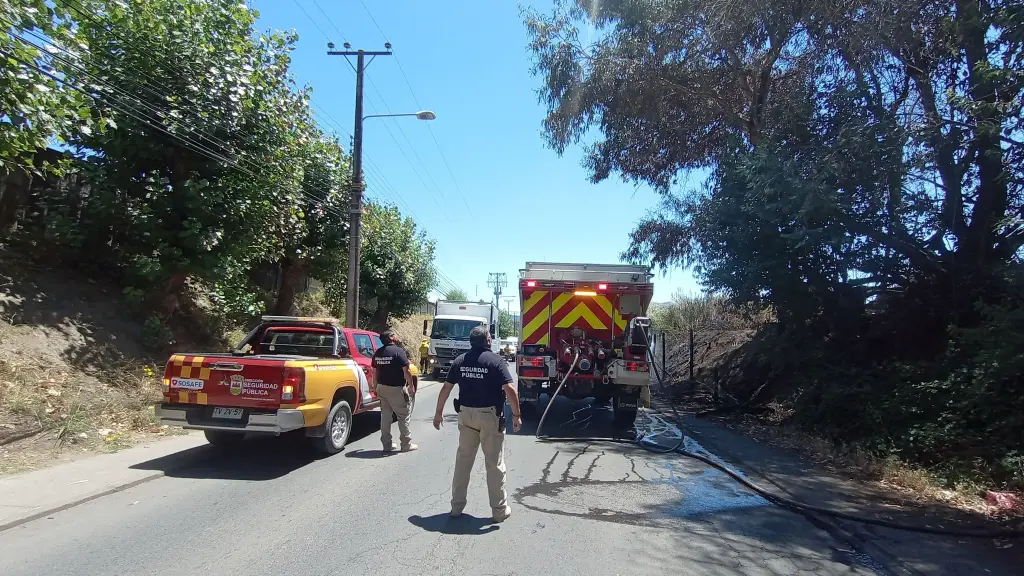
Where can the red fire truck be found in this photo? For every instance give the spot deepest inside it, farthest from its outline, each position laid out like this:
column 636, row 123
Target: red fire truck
column 594, row 314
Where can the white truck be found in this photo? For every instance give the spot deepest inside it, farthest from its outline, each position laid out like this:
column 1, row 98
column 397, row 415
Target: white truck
column 449, row 333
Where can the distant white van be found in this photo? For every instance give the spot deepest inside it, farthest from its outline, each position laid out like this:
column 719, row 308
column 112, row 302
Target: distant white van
column 509, row 347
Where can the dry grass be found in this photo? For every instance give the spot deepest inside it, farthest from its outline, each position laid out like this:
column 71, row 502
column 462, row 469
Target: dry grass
column 48, row 409
column 704, row 312
column 410, row 331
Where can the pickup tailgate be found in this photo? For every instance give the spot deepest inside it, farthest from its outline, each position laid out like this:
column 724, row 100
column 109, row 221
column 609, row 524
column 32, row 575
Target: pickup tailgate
column 226, row 380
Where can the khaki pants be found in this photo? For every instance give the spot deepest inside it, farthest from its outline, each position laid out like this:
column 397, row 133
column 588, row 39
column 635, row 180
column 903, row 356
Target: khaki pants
column 394, row 400
column 478, row 428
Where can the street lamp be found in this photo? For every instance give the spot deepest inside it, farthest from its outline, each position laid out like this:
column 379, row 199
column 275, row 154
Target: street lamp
column 421, row 115
column 356, row 207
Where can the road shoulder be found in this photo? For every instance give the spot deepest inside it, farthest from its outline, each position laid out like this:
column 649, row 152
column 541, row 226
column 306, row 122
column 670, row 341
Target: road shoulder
column 32, row 495
column 901, row 552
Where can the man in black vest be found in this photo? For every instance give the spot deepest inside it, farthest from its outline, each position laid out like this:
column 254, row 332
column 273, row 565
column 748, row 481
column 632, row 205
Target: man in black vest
column 392, row 382
column 484, row 385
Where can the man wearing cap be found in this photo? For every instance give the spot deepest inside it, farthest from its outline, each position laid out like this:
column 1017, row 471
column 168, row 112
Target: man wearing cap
column 392, row 382
column 484, row 385
column 424, row 355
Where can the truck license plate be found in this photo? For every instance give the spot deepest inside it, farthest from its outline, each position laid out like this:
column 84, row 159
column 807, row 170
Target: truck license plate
column 227, row 413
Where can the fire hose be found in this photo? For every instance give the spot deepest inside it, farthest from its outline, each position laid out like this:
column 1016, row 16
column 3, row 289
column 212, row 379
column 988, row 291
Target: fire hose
column 782, row 501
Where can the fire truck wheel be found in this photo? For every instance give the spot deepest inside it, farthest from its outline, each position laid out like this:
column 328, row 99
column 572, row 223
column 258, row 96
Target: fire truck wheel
column 435, row 373
column 529, row 411
column 624, row 417
column 223, row 439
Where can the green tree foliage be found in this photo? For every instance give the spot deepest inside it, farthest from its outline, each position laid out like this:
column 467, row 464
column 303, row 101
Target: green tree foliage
column 506, row 326
column 201, row 175
column 34, row 105
column 397, row 266
column 196, row 159
column 456, row 294
column 865, row 182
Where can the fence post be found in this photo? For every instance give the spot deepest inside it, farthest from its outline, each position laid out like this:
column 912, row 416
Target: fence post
column 663, row 356
column 691, row 353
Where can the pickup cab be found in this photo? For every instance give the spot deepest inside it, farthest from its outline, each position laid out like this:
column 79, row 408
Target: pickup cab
column 289, row 373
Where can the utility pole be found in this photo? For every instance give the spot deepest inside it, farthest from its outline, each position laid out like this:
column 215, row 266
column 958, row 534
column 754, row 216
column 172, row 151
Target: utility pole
column 497, row 281
column 356, row 200
column 508, row 310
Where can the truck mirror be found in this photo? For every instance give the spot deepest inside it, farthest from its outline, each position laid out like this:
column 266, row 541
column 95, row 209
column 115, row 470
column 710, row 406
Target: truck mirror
column 343, row 351
column 424, row 326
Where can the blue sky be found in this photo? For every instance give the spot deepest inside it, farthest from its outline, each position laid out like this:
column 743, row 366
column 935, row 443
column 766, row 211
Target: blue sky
column 468, row 62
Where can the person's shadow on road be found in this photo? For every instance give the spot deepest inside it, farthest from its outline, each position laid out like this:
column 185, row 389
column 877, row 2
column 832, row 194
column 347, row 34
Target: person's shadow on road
column 445, row 524
column 369, row 454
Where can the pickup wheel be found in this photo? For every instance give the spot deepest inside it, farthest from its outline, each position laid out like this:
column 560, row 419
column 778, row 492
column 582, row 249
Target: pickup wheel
column 339, row 427
column 223, row 438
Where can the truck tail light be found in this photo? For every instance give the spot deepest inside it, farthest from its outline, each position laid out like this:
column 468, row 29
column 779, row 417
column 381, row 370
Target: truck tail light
column 294, row 386
column 531, row 361
column 602, row 286
column 633, row 366
column 168, row 371
column 531, row 283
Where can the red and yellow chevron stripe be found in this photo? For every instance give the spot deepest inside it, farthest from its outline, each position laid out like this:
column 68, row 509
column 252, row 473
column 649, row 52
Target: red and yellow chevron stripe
column 542, row 308
column 535, row 315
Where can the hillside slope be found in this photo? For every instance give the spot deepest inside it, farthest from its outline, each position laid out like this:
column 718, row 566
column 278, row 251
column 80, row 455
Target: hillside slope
column 74, row 376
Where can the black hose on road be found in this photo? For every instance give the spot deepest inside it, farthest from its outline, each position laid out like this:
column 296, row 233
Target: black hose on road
column 793, row 505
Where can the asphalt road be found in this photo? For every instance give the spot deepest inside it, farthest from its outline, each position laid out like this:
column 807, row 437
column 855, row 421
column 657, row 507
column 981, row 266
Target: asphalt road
column 276, row 508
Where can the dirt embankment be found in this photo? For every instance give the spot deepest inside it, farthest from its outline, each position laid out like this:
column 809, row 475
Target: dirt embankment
column 720, row 358
column 410, row 331
column 74, row 377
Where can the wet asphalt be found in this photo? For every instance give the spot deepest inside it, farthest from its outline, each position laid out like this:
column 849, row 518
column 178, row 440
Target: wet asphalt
column 276, row 508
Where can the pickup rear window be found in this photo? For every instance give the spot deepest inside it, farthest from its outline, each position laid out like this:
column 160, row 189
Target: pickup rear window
column 298, row 341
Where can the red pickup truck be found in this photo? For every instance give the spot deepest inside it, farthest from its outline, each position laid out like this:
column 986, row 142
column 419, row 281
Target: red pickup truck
column 288, row 373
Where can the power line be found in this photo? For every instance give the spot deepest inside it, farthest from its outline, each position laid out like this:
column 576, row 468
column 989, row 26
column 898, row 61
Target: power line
column 415, row 99
column 116, row 99
column 77, row 8
column 119, row 105
column 442, row 276
column 412, row 147
column 385, row 185
column 329, row 21
column 326, row 37
column 147, row 78
column 311, row 19
column 392, row 135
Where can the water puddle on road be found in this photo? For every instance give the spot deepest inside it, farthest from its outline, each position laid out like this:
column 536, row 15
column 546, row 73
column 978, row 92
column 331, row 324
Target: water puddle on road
column 706, row 492
column 634, row 486
column 628, row 485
